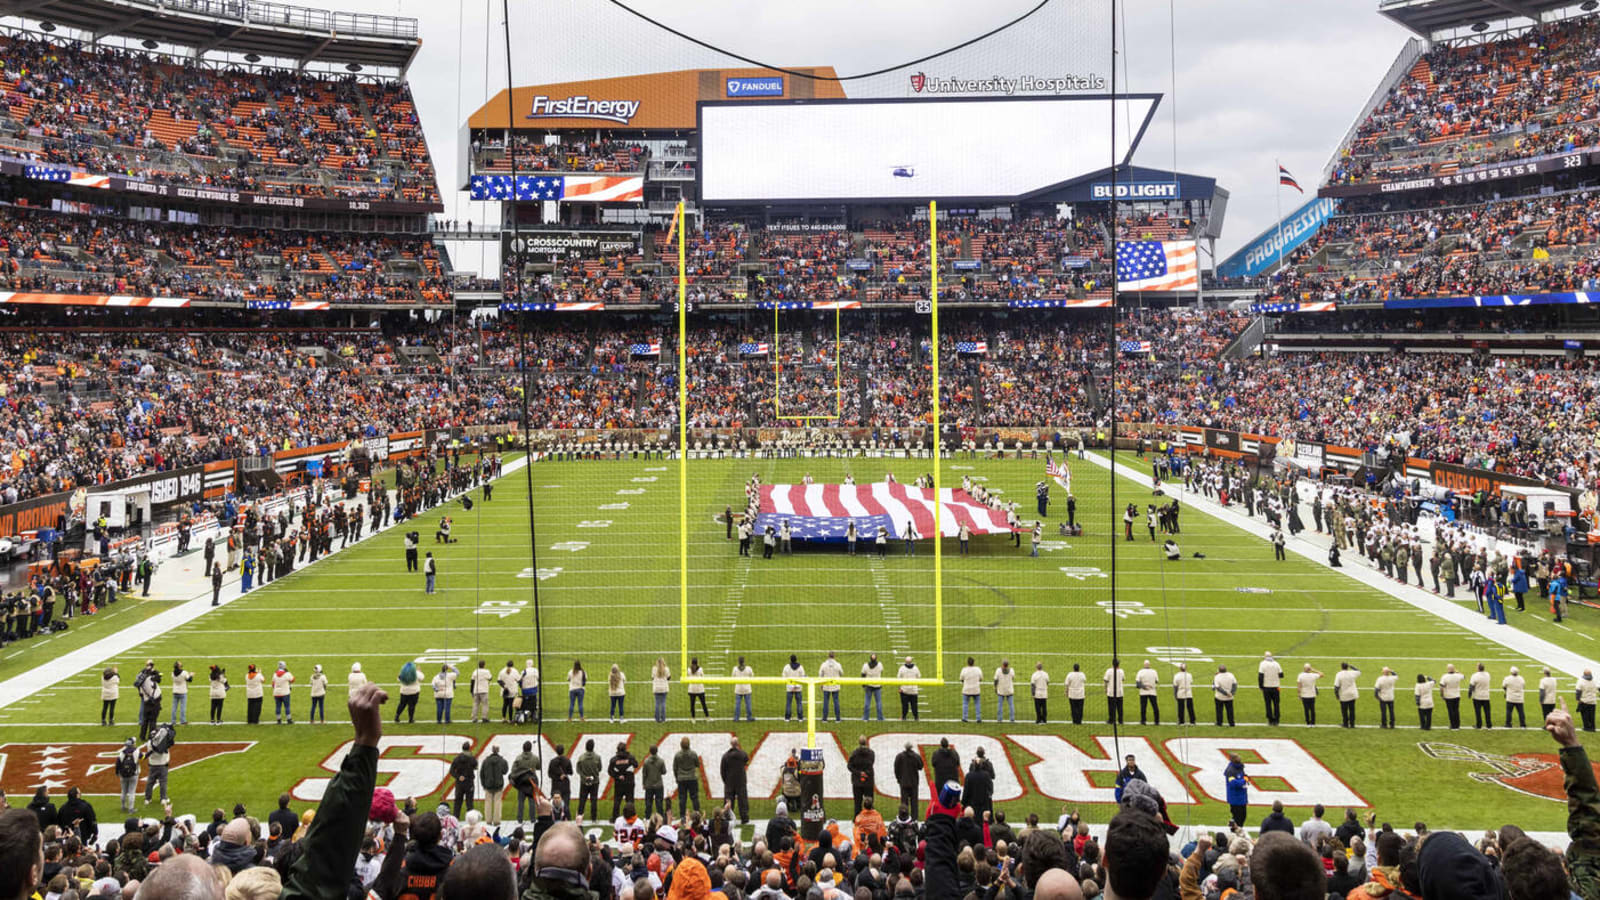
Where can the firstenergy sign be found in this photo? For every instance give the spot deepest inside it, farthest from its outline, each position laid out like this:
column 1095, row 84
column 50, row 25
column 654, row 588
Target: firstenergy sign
column 582, row 106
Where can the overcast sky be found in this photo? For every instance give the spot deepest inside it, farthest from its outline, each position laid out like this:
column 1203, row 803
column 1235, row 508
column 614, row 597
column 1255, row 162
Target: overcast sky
column 1256, row 80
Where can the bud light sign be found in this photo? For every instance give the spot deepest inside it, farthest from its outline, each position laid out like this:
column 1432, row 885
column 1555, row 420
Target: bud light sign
column 756, row 87
column 1136, row 190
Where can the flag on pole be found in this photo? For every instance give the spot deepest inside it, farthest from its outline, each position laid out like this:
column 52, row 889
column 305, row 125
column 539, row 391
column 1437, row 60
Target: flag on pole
column 1287, row 180
column 672, row 230
column 1059, row 472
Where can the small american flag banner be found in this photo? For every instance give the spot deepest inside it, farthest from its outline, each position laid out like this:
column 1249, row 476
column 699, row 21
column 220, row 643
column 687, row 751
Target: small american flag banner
column 760, row 349
column 1158, row 266
column 1136, row 347
column 586, row 188
column 67, row 176
column 651, row 349
column 971, row 347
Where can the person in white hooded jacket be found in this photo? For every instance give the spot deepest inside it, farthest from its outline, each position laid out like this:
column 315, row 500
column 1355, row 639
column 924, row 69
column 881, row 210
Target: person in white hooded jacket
column 357, row 678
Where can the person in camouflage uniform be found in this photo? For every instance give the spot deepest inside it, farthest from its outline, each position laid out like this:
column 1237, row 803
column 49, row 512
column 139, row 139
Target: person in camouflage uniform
column 1583, row 805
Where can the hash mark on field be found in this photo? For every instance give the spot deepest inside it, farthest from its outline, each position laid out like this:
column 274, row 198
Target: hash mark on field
column 722, row 642
column 891, row 615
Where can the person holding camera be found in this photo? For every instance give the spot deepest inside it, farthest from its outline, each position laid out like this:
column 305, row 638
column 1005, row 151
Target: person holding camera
column 148, row 684
column 412, row 540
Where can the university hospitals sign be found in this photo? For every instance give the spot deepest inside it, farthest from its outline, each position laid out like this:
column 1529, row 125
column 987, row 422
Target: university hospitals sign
column 922, row 83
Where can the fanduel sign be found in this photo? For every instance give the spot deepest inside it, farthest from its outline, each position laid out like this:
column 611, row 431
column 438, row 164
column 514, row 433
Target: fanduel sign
column 1260, row 254
column 584, row 107
column 1136, row 190
column 755, row 87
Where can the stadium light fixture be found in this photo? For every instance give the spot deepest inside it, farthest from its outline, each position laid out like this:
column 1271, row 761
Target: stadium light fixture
column 47, row 26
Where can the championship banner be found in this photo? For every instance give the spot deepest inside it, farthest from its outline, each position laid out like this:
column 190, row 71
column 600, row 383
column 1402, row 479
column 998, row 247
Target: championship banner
column 1538, row 165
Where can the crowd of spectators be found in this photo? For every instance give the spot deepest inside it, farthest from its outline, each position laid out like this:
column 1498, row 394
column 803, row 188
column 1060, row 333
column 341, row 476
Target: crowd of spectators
column 1524, row 95
column 72, row 253
column 1533, row 416
column 1525, row 245
column 1036, row 258
column 363, row 841
column 114, row 111
column 578, row 155
column 92, row 407
column 85, row 409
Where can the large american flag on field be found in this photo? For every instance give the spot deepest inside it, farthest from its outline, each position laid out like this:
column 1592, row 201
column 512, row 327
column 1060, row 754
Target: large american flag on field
column 569, row 188
column 1158, row 266
column 822, row 512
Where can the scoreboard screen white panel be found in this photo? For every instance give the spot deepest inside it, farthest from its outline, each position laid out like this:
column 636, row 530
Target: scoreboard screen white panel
column 916, row 150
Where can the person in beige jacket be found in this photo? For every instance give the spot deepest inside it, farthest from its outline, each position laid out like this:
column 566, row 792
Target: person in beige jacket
column 254, row 692
column 319, row 694
column 1514, row 688
column 357, row 678
column 110, row 681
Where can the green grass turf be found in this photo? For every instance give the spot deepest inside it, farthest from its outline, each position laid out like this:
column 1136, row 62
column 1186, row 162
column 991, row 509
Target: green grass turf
column 615, row 599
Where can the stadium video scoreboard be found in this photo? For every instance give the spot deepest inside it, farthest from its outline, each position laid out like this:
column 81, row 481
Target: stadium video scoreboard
column 911, row 149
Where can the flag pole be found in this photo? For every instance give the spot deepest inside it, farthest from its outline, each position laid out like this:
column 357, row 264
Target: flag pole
column 1277, row 196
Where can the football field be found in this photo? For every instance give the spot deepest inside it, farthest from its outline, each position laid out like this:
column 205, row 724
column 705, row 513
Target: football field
column 608, row 578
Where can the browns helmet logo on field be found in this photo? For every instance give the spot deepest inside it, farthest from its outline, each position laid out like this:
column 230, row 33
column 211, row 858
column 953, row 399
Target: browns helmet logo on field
column 1534, row 774
column 89, row 767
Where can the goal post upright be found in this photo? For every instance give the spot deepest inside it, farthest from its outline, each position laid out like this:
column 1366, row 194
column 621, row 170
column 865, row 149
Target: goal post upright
column 683, row 448
column 777, row 374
